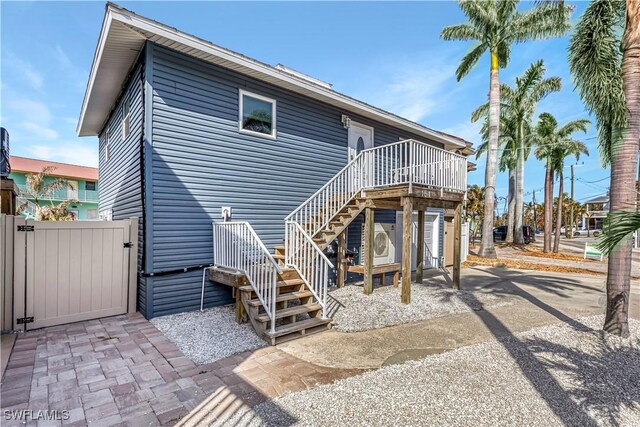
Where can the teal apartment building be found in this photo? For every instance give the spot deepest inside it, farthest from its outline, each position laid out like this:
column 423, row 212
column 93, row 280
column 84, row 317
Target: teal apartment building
column 83, row 182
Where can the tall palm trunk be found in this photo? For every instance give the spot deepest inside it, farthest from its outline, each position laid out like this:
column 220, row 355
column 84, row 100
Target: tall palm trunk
column 556, row 240
column 487, row 250
column 548, row 206
column 519, row 237
column 512, row 204
column 623, row 175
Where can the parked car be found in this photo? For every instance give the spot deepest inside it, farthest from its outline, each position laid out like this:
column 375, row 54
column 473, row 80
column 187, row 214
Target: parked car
column 500, row 234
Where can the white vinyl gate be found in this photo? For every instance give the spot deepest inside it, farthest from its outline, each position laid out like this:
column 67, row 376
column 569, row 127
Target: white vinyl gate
column 71, row 271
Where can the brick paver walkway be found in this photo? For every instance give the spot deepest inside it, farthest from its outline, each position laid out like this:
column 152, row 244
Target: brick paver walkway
column 122, row 371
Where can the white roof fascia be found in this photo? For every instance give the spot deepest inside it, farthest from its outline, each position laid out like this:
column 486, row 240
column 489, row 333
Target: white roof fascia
column 114, row 13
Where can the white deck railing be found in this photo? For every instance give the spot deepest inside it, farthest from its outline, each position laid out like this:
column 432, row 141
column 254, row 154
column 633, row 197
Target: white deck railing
column 404, row 162
column 307, row 258
column 236, row 245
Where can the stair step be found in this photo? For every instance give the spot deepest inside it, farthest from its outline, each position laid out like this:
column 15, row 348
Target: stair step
column 291, row 311
column 279, row 284
column 278, row 257
column 298, row 327
column 284, row 297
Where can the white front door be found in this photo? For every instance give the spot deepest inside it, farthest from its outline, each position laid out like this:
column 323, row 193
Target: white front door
column 360, row 138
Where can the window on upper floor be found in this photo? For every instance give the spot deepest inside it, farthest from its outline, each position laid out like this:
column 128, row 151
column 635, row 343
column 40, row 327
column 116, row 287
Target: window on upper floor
column 107, row 146
column 90, row 186
column 125, row 118
column 257, row 114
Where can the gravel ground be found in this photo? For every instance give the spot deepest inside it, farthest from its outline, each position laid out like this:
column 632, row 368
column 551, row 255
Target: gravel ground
column 552, row 376
column 207, row 336
column 360, row 312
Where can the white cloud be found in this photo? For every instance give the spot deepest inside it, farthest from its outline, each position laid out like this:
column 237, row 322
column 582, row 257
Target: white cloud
column 74, row 152
column 411, row 90
column 36, row 131
column 25, row 70
column 28, row 109
column 467, row 130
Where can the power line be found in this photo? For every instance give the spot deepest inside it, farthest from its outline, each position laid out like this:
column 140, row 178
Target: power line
column 593, row 182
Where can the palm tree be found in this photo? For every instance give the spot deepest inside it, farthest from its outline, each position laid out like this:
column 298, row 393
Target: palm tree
column 507, row 159
column 494, row 26
column 518, row 105
column 474, row 207
column 40, row 187
column 553, row 145
column 608, row 80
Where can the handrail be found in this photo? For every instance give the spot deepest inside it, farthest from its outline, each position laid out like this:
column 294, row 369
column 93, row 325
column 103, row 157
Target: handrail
column 315, row 247
column 288, row 217
column 236, row 245
column 304, row 255
column 404, row 162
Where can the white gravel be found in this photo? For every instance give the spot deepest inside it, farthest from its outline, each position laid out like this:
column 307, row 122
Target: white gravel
column 551, row 376
column 359, row 312
column 207, row 336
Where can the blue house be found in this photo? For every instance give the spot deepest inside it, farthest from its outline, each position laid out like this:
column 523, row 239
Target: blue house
column 197, row 140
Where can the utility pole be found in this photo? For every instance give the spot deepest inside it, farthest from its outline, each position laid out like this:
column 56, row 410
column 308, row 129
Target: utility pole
column 569, row 234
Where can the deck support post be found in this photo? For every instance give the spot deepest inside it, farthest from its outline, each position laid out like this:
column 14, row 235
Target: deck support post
column 341, row 260
column 420, row 247
column 368, row 250
column 457, row 245
column 407, row 224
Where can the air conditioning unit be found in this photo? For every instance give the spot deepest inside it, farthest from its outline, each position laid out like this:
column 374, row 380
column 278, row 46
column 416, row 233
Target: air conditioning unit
column 384, row 244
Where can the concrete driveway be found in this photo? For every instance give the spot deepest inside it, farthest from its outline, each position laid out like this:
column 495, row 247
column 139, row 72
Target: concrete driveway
column 537, row 299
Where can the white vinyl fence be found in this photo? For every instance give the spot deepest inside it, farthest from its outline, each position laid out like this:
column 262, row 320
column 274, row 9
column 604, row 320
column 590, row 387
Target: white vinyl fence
column 67, row 271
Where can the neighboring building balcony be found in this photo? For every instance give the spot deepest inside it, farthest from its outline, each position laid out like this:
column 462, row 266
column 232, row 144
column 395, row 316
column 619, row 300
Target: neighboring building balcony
column 65, row 194
column 596, row 214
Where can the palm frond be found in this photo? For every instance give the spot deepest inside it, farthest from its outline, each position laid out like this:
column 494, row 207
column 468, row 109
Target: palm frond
column 461, row 32
column 470, row 60
column 481, row 111
column 618, row 227
column 546, row 20
column 581, row 125
column 481, row 14
column 545, row 87
column 595, row 61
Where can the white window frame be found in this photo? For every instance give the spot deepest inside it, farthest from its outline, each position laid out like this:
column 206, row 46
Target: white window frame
column 107, row 147
column 125, row 118
column 241, row 94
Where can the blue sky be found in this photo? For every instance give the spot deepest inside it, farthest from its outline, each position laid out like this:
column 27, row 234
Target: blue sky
column 388, row 54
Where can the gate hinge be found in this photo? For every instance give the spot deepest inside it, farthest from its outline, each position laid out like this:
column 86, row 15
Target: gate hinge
column 23, row 320
column 128, row 245
column 26, row 228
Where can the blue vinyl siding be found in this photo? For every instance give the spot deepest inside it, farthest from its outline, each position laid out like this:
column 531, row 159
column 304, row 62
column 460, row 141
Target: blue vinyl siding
column 120, row 181
column 201, row 162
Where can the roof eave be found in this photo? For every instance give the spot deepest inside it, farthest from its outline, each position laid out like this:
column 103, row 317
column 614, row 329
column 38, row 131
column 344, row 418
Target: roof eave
column 114, row 13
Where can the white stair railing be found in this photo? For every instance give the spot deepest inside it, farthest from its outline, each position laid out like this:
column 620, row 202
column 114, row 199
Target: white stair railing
column 236, row 245
column 309, row 261
column 404, row 162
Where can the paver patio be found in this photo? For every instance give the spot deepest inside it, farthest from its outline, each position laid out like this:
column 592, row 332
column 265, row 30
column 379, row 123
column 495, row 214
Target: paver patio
column 122, row 371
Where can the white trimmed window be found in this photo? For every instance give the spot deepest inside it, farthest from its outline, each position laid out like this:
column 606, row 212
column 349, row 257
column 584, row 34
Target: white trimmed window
column 257, row 115
column 125, row 118
column 107, row 145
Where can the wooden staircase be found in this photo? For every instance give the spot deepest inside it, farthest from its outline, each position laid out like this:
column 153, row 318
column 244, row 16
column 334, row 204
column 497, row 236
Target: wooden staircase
column 339, row 222
column 297, row 314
